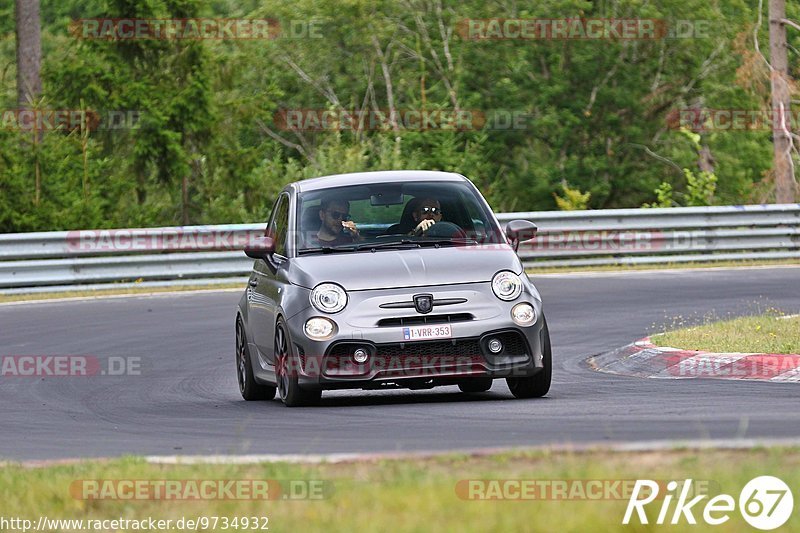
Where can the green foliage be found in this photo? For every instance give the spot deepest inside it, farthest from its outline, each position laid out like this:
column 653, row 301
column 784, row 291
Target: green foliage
column 663, row 196
column 595, row 115
column 700, row 188
column 573, row 199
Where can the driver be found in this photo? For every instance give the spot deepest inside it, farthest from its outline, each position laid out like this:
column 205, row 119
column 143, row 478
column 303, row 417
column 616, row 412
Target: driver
column 336, row 228
column 427, row 213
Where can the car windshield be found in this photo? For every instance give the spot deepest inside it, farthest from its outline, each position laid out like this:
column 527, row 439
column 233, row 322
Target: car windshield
column 392, row 215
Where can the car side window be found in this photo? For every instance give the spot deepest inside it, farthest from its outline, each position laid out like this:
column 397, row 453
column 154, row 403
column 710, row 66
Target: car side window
column 279, row 227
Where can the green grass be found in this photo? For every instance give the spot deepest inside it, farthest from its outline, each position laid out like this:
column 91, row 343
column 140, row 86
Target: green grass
column 407, row 495
column 767, row 333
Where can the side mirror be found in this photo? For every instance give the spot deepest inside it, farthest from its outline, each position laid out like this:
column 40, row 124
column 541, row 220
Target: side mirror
column 518, row 231
column 260, row 248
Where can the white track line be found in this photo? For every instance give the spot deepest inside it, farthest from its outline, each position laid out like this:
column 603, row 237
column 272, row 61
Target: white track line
column 590, row 447
column 112, row 296
column 641, row 446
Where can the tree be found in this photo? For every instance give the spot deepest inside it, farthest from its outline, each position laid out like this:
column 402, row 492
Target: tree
column 781, row 100
column 29, row 62
column 29, row 52
column 205, row 145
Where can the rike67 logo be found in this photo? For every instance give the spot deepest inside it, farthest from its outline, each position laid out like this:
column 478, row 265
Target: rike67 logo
column 765, row 503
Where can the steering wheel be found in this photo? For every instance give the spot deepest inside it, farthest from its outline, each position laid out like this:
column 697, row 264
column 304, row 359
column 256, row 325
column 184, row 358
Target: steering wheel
column 446, row 230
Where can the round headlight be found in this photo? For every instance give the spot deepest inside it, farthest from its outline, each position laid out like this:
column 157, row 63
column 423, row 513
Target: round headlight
column 328, row 298
column 523, row 314
column 319, row 328
column 506, row 285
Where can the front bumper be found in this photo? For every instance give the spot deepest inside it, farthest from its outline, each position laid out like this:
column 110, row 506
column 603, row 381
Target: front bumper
column 477, row 318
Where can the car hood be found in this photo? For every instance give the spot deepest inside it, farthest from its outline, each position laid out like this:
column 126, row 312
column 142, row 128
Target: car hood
column 366, row 270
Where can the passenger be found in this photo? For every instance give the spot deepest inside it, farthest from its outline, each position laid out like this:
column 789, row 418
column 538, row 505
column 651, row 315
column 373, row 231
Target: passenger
column 336, row 229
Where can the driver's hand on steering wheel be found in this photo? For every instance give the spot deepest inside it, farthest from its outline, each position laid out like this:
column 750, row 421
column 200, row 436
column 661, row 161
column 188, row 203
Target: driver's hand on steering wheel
column 423, row 226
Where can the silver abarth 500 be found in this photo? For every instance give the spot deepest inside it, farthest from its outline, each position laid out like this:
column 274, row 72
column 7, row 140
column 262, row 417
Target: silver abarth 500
column 388, row 279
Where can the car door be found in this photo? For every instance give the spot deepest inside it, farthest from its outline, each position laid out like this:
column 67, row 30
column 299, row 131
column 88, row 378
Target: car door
column 267, row 282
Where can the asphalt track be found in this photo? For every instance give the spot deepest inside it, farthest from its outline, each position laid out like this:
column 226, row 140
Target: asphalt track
column 186, row 399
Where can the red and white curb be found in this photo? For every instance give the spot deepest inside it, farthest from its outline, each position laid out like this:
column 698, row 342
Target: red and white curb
column 645, row 359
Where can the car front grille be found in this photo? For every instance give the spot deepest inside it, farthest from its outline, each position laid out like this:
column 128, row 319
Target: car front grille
column 463, row 348
column 423, row 358
column 413, row 359
column 425, row 319
column 513, row 343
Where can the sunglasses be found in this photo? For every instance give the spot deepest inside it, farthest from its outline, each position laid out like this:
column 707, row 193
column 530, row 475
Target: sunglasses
column 339, row 215
column 431, row 210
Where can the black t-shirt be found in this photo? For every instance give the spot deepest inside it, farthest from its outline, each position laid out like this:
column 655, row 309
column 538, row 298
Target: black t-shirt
column 343, row 238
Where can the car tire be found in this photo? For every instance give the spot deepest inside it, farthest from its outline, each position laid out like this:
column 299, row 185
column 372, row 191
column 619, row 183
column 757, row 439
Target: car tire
column 537, row 385
column 248, row 387
column 289, row 390
column 475, row 385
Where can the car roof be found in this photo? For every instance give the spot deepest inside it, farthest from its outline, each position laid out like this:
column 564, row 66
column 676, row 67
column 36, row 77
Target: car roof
column 384, row 176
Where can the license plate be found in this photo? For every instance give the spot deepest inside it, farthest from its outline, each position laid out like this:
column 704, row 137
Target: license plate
column 427, row 332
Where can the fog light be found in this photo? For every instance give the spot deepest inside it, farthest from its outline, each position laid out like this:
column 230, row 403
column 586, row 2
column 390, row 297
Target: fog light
column 360, row 355
column 495, row 346
column 319, row 329
column 523, row 314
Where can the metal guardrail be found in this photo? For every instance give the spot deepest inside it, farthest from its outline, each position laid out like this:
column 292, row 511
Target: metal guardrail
column 565, row 238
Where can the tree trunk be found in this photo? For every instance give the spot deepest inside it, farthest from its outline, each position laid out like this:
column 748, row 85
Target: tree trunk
column 29, row 52
column 185, row 201
column 781, row 115
column 705, row 160
column 29, row 80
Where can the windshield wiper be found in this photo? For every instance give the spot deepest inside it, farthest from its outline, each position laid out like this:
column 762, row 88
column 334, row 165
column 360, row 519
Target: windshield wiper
column 454, row 242
column 325, row 250
column 400, row 243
